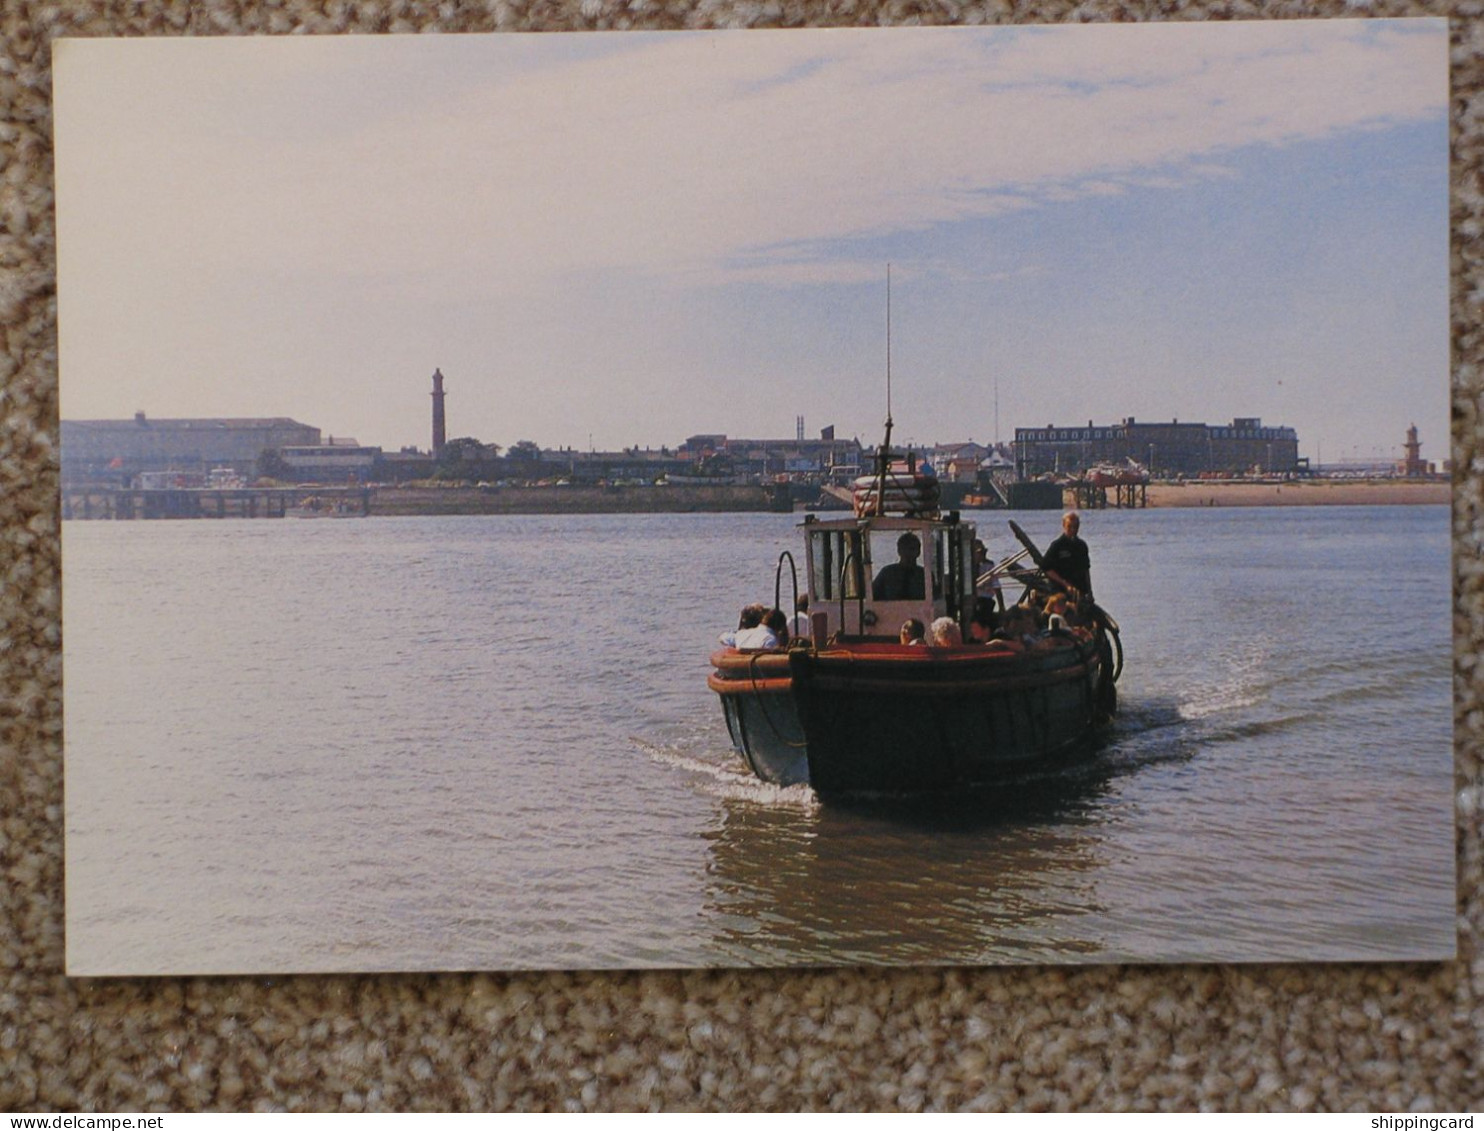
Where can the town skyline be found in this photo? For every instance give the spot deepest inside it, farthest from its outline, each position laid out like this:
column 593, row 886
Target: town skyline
column 1170, row 221
column 1389, row 452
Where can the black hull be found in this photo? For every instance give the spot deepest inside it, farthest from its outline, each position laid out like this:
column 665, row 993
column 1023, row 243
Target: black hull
column 919, row 732
column 764, row 727
column 851, row 722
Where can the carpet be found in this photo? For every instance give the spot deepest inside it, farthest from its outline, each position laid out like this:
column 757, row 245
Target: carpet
column 1389, row 1038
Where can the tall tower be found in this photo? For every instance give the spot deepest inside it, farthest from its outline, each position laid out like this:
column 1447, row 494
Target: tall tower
column 440, row 432
column 1414, row 466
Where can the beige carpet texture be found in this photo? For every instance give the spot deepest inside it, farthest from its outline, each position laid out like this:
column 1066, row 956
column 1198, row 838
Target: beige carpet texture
column 1381, row 1037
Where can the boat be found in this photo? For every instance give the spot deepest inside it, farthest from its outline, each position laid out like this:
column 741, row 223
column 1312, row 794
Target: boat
column 1130, row 474
column 327, row 506
column 849, row 709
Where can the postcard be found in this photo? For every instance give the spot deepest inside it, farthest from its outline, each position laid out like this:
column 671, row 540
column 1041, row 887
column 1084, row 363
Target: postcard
column 914, row 496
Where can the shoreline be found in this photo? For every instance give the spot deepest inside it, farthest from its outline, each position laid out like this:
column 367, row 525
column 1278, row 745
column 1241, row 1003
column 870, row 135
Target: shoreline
column 676, row 499
column 274, row 502
column 1300, row 493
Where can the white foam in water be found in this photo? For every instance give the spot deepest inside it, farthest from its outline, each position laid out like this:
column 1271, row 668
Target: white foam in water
column 731, row 780
column 1243, row 689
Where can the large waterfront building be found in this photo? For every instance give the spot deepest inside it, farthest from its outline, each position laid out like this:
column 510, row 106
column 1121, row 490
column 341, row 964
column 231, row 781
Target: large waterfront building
column 824, row 459
column 117, row 451
column 1244, row 446
column 338, row 460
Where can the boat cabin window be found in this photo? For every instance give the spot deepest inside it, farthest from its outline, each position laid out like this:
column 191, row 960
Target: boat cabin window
column 867, row 581
column 897, row 561
column 954, row 569
column 837, row 564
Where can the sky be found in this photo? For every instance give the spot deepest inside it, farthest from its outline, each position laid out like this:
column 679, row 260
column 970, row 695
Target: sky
column 615, row 239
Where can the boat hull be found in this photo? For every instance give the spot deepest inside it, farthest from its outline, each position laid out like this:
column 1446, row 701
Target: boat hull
column 762, row 721
column 888, row 720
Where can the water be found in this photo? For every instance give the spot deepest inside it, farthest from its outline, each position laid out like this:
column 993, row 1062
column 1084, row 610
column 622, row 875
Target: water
column 486, row 743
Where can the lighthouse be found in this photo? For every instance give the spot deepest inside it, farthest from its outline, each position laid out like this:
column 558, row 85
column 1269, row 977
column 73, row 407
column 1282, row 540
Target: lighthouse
column 440, row 432
column 1414, row 467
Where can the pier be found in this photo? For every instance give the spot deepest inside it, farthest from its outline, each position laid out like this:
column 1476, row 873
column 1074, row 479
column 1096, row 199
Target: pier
column 1090, row 496
column 118, row 503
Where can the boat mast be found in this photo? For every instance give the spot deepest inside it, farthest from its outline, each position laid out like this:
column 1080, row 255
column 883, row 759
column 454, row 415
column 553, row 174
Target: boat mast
column 888, row 352
column 884, row 457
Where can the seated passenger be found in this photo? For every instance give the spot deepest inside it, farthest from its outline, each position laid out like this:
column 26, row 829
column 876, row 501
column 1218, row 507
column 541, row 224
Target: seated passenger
column 911, row 632
column 756, row 638
column 1018, row 626
column 1008, row 647
column 800, row 625
column 1037, row 635
column 902, row 580
column 752, row 616
column 945, row 633
column 1063, row 618
column 777, row 623
column 982, row 623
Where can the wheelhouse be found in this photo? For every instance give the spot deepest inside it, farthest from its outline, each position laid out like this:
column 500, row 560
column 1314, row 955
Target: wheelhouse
column 847, row 556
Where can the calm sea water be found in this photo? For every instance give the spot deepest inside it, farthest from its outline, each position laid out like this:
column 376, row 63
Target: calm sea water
column 486, row 742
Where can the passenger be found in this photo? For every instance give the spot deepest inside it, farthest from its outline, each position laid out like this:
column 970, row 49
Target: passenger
column 752, row 616
column 902, row 580
column 1064, row 617
column 757, row 638
column 800, row 625
column 911, row 632
column 1077, row 619
column 990, row 586
column 1018, row 626
column 1007, row 647
column 1035, row 634
column 777, row 623
column 945, row 633
column 983, row 623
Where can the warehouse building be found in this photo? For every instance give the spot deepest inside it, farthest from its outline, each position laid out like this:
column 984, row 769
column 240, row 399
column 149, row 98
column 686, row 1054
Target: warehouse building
column 115, row 452
column 1243, row 447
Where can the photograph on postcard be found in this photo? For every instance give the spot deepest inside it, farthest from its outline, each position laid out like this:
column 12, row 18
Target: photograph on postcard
column 707, row 499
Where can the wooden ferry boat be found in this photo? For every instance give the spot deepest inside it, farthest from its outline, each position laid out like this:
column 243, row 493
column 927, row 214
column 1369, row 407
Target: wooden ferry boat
column 850, row 709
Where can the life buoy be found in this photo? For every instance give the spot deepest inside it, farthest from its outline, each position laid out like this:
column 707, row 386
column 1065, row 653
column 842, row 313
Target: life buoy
column 902, row 492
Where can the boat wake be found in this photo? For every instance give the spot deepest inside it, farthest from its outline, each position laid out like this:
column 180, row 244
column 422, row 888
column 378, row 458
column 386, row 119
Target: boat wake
column 1152, row 732
column 1148, row 733
column 728, row 781
column 1245, row 686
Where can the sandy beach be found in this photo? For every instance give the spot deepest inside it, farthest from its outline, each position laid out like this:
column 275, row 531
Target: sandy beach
column 1299, row 494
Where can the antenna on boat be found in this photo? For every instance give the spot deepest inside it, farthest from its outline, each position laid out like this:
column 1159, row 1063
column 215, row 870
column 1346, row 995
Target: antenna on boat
column 883, row 460
column 888, row 353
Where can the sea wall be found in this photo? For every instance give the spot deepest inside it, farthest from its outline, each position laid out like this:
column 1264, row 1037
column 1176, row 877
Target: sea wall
column 673, row 499
column 679, row 499
column 1300, row 493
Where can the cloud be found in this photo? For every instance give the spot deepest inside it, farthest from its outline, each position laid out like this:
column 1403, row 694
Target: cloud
column 260, row 226
column 694, row 154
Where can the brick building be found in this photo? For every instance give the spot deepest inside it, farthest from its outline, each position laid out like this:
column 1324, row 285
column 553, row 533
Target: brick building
column 824, row 459
column 1244, row 446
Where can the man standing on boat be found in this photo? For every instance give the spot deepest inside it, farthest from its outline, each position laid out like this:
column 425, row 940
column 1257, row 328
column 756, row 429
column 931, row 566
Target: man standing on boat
column 902, row 580
column 1067, row 558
